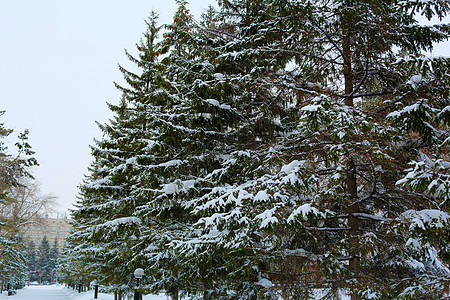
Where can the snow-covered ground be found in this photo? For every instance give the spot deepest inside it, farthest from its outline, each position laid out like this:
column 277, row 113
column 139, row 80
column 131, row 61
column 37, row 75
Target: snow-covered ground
column 59, row 292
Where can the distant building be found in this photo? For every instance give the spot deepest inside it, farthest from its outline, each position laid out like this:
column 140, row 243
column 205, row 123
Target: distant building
column 55, row 229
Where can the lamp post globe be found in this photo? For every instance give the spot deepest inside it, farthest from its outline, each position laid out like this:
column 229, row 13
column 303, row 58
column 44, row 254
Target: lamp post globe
column 138, row 273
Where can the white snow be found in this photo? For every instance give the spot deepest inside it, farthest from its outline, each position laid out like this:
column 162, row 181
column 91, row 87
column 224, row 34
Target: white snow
column 445, row 110
column 406, row 110
column 59, row 292
column 171, row 188
column 303, row 210
column 171, row 163
column 219, row 76
column 243, row 195
column 415, row 80
column 265, row 283
column 119, row 221
column 311, row 107
column 178, row 186
column 131, row 161
column 261, row 196
column 214, row 102
column 267, row 217
column 430, row 217
column 293, row 166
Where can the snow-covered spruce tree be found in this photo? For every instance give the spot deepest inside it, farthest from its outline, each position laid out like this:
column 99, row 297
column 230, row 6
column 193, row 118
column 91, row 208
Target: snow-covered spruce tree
column 43, row 264
column 201, row 109
column 425, row 231
column 30, row 258
column 236, row 39
column 289, row 170
column 321, row 208
column 43, row 261
column 186, row 123
column 105, row 227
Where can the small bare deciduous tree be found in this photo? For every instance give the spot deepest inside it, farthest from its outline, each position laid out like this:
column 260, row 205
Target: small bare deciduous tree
column 27, row 204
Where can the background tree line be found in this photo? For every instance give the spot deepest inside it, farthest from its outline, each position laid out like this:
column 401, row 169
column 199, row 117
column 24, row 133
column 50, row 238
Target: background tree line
column 275, row 149
column 42, row 261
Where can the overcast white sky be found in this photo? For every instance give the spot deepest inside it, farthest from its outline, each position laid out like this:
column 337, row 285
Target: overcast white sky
column 58, row 61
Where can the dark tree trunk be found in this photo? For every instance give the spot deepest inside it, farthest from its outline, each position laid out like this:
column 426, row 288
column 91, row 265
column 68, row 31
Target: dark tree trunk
column 352, row 185
column 174, row 295
column 353, row 220
column 348, row 78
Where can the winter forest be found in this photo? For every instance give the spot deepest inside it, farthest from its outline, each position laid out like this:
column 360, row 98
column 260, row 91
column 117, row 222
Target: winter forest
column 274, row 149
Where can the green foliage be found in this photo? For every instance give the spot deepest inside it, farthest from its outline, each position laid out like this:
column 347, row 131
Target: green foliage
column 259, row 153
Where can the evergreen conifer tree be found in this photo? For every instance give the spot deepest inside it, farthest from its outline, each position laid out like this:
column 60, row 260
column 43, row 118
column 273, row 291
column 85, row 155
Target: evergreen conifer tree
column 201, row 115
column 106, row 225
column 43, row 265
column 30, row 256
column 261, row 154
column 53, row 260
column 325, row 190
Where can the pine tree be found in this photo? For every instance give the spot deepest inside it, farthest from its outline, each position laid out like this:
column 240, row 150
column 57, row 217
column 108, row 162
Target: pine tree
column 43, row 265
column 105, row 221
column 326, row 190
column 259, row 152
column 30, row 256
column 106, row 226
column 53, row 260
column 199, row 120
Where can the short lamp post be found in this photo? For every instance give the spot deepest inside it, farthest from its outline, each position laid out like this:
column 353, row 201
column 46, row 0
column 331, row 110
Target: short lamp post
column 95, row 283
column 138, row 273
column 80, row 284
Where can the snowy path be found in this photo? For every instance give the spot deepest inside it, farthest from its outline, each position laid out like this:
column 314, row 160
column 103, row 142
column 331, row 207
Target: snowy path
column 59, row 292
column 42, row 292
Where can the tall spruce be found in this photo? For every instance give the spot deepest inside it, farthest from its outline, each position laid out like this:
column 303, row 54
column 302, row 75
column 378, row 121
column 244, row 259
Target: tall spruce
column 277, row 149
column 214, row 118
column 105, row 222
column 30, row 257
column 325, row 191
column 43, row 262
column 185, row 132
column 106, row 226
